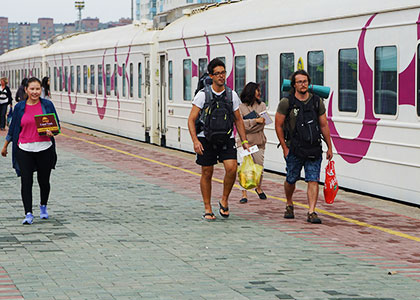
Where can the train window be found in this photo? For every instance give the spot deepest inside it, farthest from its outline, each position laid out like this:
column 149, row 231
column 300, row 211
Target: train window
column 79, row 78
column 92, row 79
column 72, row 79
column 418, row 80
column 115, row 80
column 347, row 80
column 386, row 78
column 60, row 78
column 131, row 80
column 287, row 67
column 124, row 82
column 66, row 79
column 316, row 66
column 100, row 80
column 170, row 79
column 140, row 79
column 85, row 79
column 187, row 79
column 202, row 66
column 108, row 79
column 240, row 73
column 262, row 75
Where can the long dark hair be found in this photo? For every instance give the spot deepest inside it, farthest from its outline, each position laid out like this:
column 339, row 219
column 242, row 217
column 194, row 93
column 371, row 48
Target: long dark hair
column 24, row 82
column 248, row 93
column 45, row 85
column 293, row 79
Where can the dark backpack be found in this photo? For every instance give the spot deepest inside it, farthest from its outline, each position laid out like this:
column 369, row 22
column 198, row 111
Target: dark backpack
column 305, row 140
column 204, row 81
column 216, row 117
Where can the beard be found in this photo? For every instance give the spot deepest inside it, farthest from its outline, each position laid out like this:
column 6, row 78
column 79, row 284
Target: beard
column 303, row 92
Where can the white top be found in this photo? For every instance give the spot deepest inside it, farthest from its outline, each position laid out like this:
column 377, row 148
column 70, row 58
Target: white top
column 200, row 99
column 36, row 146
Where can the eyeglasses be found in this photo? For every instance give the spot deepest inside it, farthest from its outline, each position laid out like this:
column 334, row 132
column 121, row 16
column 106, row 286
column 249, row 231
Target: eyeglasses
column 219, row 73
column 300, row 82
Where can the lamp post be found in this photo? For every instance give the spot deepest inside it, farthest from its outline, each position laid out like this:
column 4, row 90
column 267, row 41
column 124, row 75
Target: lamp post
column 80, row 5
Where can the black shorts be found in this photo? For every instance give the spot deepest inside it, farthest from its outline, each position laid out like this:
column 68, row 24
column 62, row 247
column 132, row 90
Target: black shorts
column 212, row 153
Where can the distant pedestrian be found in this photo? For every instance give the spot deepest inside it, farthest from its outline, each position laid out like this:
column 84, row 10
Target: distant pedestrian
column 250, row 109
column 20, row 93
column 5, row 100
column 45, row 85
column 302, row 144
column 30, row 151
column 210, row 146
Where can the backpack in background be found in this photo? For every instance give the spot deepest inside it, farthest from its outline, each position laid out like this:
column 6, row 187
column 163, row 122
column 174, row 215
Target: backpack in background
column 204, row 81
column 216, row 117
column 305, row 140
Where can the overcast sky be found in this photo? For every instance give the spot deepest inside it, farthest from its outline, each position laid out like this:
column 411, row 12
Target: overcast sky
column 63, row 11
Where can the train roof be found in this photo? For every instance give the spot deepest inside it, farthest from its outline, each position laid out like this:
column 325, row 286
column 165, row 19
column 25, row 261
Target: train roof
column 132, row 34
column 253, row 14
column 31, row 51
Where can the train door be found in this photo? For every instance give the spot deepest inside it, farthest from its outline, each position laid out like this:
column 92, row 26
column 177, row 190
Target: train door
column 162, row 101
column 147, row 100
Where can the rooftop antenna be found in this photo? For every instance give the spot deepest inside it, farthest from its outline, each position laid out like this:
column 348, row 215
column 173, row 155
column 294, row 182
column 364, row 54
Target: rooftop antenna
column 80, row 5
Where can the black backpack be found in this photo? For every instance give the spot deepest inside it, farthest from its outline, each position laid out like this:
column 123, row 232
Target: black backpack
column 305, row 140
column 204, row 81
column 216, row 117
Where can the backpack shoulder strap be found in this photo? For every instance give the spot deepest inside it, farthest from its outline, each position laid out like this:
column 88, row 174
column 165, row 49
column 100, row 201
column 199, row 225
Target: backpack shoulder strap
column 316, row 100
column 292, row 102
column 209, row 95
column 229, row 96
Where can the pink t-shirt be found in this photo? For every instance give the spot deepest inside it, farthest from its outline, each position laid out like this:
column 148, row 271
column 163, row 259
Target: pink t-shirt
column 29, row 134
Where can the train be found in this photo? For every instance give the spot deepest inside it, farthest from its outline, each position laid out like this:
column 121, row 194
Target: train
column 137, row 81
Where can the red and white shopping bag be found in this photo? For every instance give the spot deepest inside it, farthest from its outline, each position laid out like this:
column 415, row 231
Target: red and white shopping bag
column 331, row 184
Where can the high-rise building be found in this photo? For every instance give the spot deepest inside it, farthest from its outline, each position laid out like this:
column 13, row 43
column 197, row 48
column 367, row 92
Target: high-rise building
column 90, row 24
column 24, row 30
column 4, row 34
column 147, row 9
column 46, row 28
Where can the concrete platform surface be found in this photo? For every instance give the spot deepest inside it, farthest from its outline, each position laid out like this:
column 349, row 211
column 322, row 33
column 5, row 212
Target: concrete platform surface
column 125, row 223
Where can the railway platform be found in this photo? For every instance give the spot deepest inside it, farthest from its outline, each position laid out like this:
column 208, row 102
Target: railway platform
column 125, row 223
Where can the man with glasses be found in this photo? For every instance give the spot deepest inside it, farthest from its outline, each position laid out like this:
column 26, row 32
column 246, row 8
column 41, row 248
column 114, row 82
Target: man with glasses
column 300, row 108
column 208, row 152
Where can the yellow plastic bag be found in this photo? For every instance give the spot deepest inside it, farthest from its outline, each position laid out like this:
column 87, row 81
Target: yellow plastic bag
column 249, row 173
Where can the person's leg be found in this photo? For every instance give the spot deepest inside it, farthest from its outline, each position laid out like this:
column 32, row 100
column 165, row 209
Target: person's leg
column 289, row 189
column 228, row 181
column 27, row 166
column 312, row 172
column 205, row 186
column 293, row 168
column 44, row 161
column 258, row 158
column 3, row 111
column 312, row 193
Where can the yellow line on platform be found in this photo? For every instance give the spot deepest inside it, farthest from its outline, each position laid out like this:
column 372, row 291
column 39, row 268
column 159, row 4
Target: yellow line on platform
column 334, row 215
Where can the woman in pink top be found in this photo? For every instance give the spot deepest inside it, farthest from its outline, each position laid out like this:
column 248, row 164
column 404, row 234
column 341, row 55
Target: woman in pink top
column 32, row 152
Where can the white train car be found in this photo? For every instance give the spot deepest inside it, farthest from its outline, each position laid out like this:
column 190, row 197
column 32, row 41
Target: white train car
column 103, row 80
column 23, row 62
column 366, row 51
column 139, row 83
